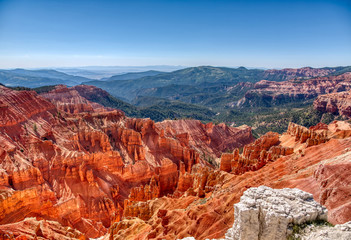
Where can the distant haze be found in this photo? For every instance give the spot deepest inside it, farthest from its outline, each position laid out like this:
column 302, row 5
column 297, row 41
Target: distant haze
column 270, row 34
column 98, row 72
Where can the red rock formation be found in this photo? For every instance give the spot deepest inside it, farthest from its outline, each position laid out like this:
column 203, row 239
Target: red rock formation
column 70, row 100
column 90, row 92
column 297, row 89
column 313, row 136
column 255, row 155
column 335, row 103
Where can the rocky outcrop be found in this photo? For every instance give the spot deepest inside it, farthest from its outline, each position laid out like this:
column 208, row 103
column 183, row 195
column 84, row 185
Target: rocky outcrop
column 265, row 213
column 200, row 181
column 254, row 155
column 335, row 103
column 266, row 93
column 313, row 136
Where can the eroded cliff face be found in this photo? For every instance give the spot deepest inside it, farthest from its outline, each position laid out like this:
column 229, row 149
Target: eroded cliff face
column 86, row 166
column 71, row 100
column 335, row 103
column 270, row 92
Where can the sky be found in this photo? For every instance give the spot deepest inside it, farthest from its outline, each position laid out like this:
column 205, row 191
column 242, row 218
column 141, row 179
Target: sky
column 270, row 34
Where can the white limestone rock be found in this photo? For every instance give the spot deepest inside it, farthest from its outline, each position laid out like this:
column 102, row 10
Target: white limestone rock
column 264, row 213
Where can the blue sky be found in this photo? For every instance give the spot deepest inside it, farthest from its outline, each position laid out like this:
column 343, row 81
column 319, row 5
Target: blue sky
column 189, row 33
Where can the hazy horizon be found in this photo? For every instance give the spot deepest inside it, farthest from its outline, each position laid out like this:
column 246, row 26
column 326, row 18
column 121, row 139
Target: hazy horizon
column 255, row 34
column 168, row 68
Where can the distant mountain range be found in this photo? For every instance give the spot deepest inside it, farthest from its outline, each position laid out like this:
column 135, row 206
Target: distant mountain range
column 195, row 77
column 99, row 72
column 38, row 78
column 190, row 84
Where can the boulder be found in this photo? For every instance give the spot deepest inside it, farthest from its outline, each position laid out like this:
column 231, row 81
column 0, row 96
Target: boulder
column 267, row 214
